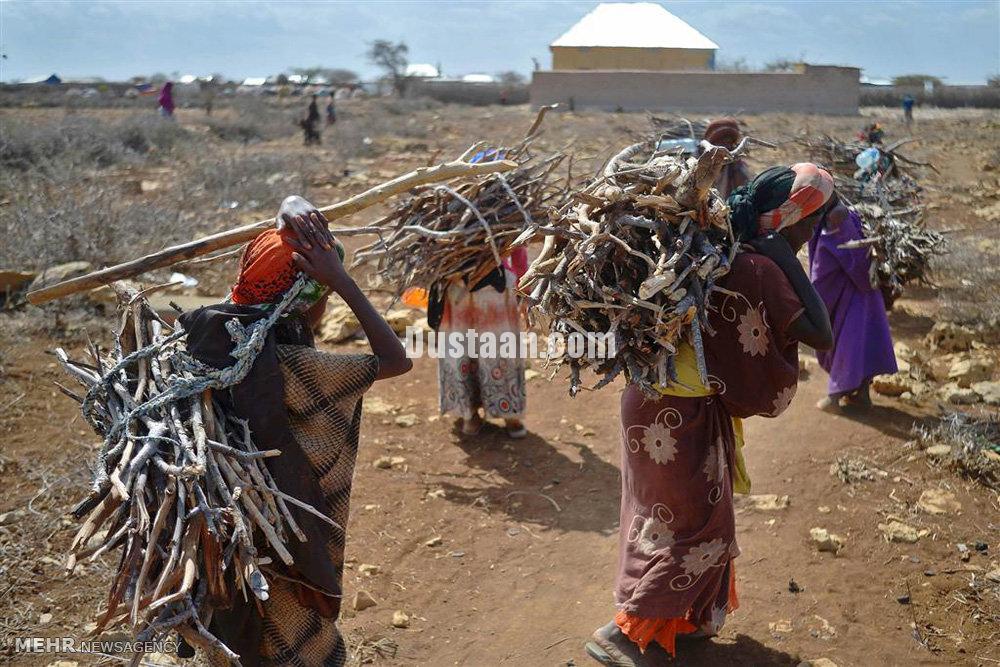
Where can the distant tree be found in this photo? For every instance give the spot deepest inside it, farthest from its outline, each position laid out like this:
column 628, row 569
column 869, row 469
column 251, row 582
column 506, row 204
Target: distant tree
column 994, row 81
column 218, row 77
column 781, row 65
column 915, row 80
column 281, row 79
column 340, row 77
column 159, row 77
column 391, row 58
column 510, row 78
column 734, row 65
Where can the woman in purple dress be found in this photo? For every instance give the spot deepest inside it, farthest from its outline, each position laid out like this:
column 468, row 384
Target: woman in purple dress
column 862, row 345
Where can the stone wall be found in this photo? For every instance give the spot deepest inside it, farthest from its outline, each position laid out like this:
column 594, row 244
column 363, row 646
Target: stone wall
column 625, row 58
column 466, row 92
column 811, row 89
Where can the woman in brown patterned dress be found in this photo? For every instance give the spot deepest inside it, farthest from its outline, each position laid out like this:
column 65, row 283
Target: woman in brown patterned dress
column 306, row 403
column 681, row 453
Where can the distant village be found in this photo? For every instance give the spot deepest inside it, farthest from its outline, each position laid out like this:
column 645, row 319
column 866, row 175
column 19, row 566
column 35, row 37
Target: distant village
column 618, row 57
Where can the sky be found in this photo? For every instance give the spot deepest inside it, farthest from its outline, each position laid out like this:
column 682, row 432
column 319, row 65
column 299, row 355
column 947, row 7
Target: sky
column 957, row 40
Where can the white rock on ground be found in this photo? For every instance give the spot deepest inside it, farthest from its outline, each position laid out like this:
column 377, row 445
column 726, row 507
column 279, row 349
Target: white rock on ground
column 897, row 531
column 938, row 451
column 938, row 501
column 895, row 384
column 989, row 391
column 825, row 540
column 958, row 395
column 965, row 372
column 768, row 502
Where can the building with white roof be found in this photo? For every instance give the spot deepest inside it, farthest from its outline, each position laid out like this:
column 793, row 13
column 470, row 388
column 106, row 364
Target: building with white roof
column 422, row 71
column 632, row 36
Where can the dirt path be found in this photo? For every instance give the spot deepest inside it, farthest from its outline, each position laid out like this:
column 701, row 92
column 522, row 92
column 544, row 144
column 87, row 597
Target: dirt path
column 523, row 579
column 517, row 582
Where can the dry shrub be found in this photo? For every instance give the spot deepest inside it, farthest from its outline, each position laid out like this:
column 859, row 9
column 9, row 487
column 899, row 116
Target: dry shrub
column 974, row 442
column 86, row 141
column 252, row 119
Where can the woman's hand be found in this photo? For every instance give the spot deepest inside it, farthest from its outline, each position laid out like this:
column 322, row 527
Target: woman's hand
column 324, row 266
column 308, row 223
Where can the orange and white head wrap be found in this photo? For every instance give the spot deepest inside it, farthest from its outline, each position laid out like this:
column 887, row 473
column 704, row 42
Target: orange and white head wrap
column 811, row 189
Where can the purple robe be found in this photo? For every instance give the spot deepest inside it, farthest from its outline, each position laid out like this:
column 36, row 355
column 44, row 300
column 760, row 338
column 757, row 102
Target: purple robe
column 862, row 344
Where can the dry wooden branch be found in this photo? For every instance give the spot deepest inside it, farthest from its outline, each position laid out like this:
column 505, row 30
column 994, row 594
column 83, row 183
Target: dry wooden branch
column 464, row 231
column 169, row 256
column 634, row 254
column 179, row 485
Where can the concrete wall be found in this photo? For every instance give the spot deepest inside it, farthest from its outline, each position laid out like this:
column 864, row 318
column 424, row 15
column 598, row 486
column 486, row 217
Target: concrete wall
column 948, row 97
column 465, row 92
column 627, row 58
column 814, row 89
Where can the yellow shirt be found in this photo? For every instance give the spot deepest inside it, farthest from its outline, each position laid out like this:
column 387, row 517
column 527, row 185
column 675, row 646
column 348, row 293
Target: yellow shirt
column 689, row 385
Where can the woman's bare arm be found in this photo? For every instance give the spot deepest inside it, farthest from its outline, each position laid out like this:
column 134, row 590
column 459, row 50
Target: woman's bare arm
column 316, row 254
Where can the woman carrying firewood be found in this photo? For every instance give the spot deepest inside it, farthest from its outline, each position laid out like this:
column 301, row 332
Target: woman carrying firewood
column 726, row 132
column 862, row 342
column 307, row 404
column 467, row 383
column 681, row 454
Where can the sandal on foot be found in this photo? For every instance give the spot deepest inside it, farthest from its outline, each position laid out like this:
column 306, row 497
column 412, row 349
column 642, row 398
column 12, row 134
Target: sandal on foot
column 517, row 433
column 610, row 646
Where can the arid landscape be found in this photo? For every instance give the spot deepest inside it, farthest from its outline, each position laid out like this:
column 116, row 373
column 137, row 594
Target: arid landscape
column 503, row 552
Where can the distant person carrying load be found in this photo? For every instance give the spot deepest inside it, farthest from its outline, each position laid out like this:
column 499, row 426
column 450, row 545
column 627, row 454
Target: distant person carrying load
column 310, row 131
column 725, row 132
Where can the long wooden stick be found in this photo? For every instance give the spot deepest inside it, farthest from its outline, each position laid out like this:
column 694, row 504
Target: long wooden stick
column 168, row 256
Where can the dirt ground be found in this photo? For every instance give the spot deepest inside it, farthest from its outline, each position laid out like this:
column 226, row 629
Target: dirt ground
column 528, row 529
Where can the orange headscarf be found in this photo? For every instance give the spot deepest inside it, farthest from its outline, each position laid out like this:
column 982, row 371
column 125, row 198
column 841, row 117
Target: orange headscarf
column 267, row 270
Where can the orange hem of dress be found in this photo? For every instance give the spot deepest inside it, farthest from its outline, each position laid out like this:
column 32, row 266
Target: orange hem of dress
column 664, row 631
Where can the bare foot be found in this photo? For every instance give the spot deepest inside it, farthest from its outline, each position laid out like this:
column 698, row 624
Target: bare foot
column 829, row 404
column 472, row 425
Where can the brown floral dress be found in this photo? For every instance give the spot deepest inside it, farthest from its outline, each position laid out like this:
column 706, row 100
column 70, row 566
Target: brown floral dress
column 678, row 537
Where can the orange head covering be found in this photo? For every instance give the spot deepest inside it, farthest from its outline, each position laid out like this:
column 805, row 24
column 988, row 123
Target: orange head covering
column 723, row 132
column 267, row 269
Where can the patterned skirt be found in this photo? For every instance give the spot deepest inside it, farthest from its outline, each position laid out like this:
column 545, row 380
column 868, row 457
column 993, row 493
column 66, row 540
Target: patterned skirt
column 494, row 384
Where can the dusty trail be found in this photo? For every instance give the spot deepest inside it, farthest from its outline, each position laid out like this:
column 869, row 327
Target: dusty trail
column 516, row 582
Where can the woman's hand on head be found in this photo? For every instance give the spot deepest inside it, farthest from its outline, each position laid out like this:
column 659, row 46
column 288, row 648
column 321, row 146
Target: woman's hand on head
column 322, row 264
column 307, row 222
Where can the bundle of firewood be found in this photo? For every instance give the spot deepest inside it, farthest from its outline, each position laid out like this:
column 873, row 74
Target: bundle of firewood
column 901, row 247
column 635, row 253
column 676, row 127
column 179, row 488
column 444, row 231
column 841, row 156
